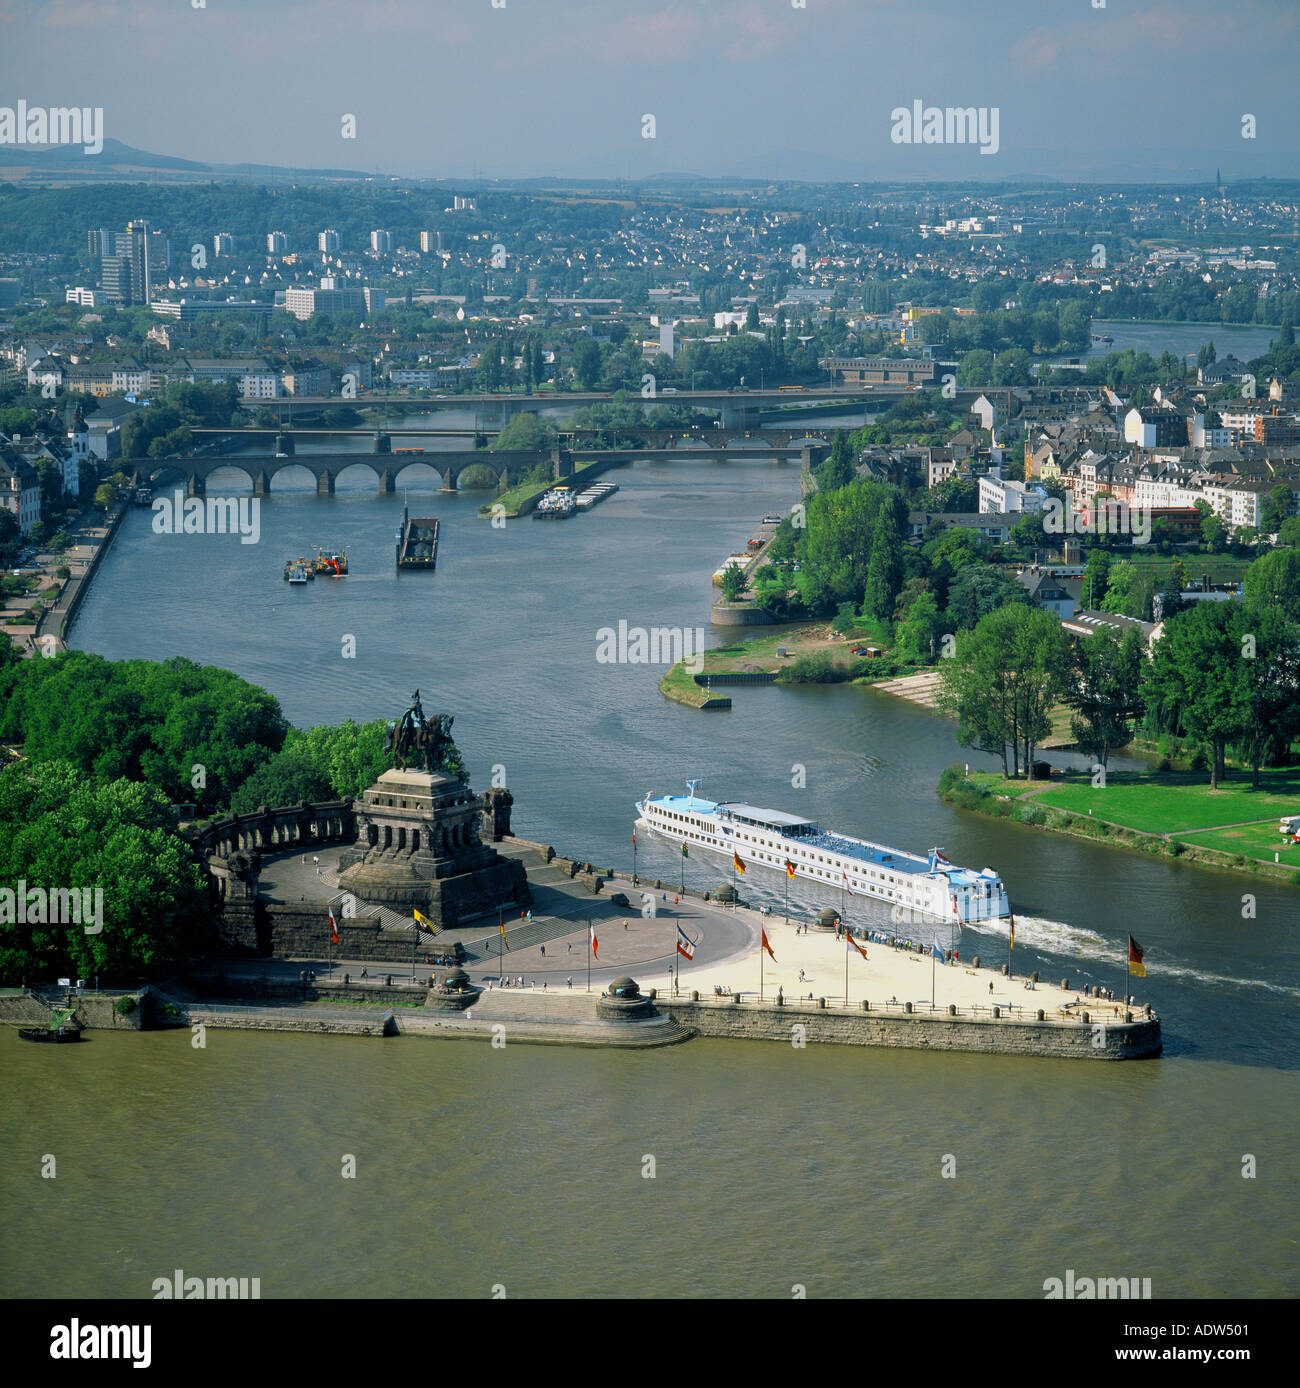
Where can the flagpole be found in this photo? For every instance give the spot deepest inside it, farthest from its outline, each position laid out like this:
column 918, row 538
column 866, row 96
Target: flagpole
column 634, row 882
column 589, row 954
column 932, row 949
column 787, row 898
column 1011, row 940
column 846, row 971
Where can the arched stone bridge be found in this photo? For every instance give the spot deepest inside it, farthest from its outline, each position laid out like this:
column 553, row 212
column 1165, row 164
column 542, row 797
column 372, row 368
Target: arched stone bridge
column 387, row 468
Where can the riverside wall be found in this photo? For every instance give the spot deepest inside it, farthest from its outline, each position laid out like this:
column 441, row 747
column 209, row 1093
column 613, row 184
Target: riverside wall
column 915, row 1032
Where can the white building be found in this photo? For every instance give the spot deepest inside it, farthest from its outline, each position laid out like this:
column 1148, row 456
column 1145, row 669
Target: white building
column 277, row 243
column 1001, row 495
column 87, row 298
column 381, row 242
column 223, row 244
column 327, row 241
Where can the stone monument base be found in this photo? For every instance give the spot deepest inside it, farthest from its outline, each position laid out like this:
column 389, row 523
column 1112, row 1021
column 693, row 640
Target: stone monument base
column 418, row 849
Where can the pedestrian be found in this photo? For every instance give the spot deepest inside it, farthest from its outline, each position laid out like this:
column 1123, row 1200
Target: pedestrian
column 314, row 858
column 624, row 925
column 543, row 951
column 990, row 987
column 570, row 946
column 304, row 860
column 570, row 980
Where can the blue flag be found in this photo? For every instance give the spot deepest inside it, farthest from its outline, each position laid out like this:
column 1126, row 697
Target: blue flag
column 938, row 953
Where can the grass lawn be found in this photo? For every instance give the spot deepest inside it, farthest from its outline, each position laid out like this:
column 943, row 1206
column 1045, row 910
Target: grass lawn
column 1181, row 801
column 678, row 684
column 1254, row 840
column 993, row 781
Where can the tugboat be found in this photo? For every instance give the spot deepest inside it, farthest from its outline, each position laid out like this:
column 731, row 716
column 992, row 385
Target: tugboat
column 61, row 1028
column 298, row 570
column 556, row 504
column 331, row 563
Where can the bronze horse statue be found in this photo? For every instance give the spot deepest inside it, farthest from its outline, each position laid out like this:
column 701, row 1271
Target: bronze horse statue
column 417, row 740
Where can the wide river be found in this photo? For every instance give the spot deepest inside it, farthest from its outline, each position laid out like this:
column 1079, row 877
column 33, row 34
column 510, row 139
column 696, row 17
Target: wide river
column 775, row 1166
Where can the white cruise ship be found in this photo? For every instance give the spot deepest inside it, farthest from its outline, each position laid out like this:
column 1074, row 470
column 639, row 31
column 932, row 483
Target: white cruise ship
column 770, row 839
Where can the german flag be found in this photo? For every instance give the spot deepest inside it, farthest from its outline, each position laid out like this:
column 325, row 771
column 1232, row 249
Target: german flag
column 768, row 947
column 736, row 863
column 1135, row 956
column 501, row 925
column 789, row 868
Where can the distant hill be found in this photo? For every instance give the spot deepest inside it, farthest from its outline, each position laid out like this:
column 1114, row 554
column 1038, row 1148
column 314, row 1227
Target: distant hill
column 117, row 160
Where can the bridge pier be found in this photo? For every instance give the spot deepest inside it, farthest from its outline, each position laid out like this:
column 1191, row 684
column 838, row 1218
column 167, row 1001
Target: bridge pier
column 448, row 480
column 261, row 484
column 195, row 486
column 325, row 484
column 386, row 487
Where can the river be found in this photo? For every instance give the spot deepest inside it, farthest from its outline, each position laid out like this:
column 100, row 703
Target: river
column 775, row 1166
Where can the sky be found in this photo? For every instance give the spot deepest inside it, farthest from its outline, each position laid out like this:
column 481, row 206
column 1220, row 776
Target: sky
column 744, row 88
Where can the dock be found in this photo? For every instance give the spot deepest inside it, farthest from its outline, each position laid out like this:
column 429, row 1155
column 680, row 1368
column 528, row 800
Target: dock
column 417, row 542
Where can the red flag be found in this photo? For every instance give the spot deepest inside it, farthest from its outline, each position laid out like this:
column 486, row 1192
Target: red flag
column 594, row 949
column 334, row 930
column 855, row 944
column 768, row 947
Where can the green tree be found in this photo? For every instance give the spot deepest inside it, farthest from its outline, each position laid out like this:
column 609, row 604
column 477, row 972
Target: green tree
column 733, row 582
column 1274, row 508
column 1096, row 575
column 1273, row 581
column 978, row 590
column 59, row 830
column 1104, row 688
column 1001, row 682
column 885, row 573
column 586, row 362
column 916, row 630
column 525, row 432
column 1198, row 680
column 836, row 470
column 1270, row 644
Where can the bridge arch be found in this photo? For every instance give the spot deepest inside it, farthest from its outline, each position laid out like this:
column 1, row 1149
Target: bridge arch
column 356, row 474
column 419, row 474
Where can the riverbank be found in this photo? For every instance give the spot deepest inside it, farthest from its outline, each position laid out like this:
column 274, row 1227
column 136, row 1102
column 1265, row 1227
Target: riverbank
column 811, row 653
column 1162, row 814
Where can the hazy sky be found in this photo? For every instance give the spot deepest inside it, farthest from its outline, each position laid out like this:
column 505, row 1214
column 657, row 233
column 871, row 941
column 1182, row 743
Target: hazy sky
column 750, row 87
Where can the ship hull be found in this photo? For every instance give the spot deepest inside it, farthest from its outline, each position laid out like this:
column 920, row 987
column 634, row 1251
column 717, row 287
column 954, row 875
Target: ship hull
column 942, row 893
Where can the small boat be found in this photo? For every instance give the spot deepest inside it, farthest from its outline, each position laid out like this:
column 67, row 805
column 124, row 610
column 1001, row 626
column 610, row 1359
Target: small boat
column 332, row 563
column 60, row 1029
column 298, row 570
column 57, row 1035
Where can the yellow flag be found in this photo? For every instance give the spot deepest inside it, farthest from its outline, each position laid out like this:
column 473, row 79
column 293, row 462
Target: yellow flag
column 425, row 922
column 739, row 866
